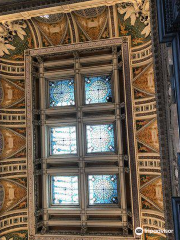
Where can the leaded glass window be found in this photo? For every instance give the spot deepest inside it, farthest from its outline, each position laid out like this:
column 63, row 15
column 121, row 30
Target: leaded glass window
column 63, row 140
column 102, row 189
column 65, row 190
column 61, row 93
column 100, row 138
column 98, row 89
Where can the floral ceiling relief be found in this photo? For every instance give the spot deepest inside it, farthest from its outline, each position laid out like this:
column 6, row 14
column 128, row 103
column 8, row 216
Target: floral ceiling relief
column 137, row 9
column 8, row 30
column 134, row 20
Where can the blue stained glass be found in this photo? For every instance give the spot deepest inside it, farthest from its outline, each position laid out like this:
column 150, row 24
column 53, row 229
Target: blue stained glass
column 98, row 89
column 63, row 140
column 102, row 189
column 100, row 138
column 65, row 190
column 61, row 93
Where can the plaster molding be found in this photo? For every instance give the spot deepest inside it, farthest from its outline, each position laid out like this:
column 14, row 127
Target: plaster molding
column 79, row 46
column 59, row 9
column 73, row 6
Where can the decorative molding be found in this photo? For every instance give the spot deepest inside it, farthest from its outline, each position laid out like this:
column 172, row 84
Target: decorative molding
column 29, row 144
column 160, row 67
column 79, row 46
column 13, row 7
column 61, row 7
column 129, row 114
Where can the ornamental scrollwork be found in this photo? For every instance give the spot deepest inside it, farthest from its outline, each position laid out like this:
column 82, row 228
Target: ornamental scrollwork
column 8, row 30
column 135, row 9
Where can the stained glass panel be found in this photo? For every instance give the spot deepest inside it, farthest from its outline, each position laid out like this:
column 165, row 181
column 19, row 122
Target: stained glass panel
column 102, row 189
column 65, row 190
column 61, row 93
column 100, row 138
column 63, row 140
column 98, row 89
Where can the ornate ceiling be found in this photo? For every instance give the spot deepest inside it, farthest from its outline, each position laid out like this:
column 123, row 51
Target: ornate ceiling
column 80, row 23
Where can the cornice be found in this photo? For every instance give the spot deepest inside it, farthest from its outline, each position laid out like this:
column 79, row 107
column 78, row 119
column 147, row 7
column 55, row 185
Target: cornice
column 64, row 6
column 23, row 5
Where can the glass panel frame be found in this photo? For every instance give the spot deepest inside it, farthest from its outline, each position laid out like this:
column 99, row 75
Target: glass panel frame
column 110, row 205
column 102, row 190
column 68, row 78
column 54, row 205
column 49, row 153
column 50, row 117
column 105, row 152
column 110, row 75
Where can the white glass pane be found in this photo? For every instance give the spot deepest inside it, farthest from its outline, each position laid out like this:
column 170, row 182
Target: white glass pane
column 65, row 190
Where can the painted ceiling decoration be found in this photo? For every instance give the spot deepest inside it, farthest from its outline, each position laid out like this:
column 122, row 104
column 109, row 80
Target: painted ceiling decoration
column 7, row 32
column 92, row 22
column 137, row 9
column 138, row 70
column 148, row 135
column 145, row 81
column 152, row 191
column 54, row 29
column 12, row 92
column 14, row 195
column 13, row 142
column 126, row 18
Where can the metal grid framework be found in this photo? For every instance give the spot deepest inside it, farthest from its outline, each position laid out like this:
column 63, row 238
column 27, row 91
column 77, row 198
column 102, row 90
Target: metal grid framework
column 97, row 114
column 114, row 220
